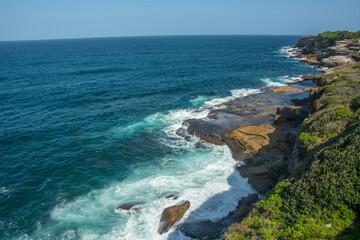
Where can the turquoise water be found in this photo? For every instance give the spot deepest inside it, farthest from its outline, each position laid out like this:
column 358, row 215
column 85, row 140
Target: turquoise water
column 90, row 124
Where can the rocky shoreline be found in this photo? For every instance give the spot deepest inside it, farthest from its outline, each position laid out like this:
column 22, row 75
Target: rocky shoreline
column 262, row 129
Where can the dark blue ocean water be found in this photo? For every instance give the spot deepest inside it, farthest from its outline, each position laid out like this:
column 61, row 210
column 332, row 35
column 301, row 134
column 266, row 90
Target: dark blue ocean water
column 89, row 124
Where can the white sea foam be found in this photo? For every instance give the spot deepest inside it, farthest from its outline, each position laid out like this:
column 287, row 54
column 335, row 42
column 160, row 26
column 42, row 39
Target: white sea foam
column 173, row 118
column 289, row 51
column 3, row 190
column 205, row 177
column 198, row 101
column 236, row 93
column 280, row 81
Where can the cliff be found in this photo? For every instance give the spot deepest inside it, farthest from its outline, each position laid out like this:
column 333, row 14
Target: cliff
column 320, row 198
column 330, row 49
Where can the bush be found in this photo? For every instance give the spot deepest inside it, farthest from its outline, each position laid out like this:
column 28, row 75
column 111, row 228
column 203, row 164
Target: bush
column 340, row 35
column 343, row 113
column 306, row 140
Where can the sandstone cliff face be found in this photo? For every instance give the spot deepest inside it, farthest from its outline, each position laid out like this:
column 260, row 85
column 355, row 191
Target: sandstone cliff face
column 314, row 45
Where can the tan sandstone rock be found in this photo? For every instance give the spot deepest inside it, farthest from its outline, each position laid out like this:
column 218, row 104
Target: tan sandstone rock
column 252, row 138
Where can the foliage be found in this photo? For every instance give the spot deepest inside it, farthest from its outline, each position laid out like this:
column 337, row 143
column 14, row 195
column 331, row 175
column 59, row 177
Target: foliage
column 340, row 35
column 319, row 205
column 336, row 105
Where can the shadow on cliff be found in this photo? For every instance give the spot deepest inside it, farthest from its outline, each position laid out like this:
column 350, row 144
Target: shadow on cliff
column 221, row 207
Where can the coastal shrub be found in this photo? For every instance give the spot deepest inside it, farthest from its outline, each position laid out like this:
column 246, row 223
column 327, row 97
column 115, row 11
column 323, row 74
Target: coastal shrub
column 343, row 113
column 328, row 89
column 334, row 178
column 306, row 140
column 319, row 205
column 340, row 35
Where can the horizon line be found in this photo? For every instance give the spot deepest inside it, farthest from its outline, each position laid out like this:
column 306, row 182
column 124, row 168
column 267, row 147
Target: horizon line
column 155, row 35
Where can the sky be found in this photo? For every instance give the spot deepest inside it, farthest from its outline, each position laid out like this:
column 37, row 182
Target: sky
column 54, row 19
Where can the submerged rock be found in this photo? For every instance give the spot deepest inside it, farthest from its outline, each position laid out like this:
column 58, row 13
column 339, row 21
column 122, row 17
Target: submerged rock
column 128, row 207
column 201, row 145
column 171, row 196
column 171, row 215
column 182, row 132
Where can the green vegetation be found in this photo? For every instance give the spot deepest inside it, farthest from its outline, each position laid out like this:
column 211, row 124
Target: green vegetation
column 321, row 200
column 340, row 35
column 333, row 109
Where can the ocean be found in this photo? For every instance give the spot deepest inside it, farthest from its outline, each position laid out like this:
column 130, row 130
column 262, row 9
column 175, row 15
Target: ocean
column 88, row 125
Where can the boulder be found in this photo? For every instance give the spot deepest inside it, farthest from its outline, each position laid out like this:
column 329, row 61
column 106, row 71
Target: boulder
column 171, row 215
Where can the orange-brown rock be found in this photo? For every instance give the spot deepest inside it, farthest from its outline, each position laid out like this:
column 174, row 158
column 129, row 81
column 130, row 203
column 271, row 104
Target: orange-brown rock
column 252, row 138
column 281, row 90
column 171, row 215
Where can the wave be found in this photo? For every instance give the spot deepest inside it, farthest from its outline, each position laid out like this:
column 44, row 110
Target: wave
column 3, row 190
column 205, row 177
column 196, row 176
column 289, row 51
column 157, row 121
column 280, row 81
column 200, row 100
column 236, row 93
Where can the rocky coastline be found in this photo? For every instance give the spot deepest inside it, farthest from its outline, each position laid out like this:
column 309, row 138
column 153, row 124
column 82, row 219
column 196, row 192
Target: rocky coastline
column 262, row 129
column 278, row 154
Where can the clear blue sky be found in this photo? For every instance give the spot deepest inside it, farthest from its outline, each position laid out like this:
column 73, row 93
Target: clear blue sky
column 49, row 19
